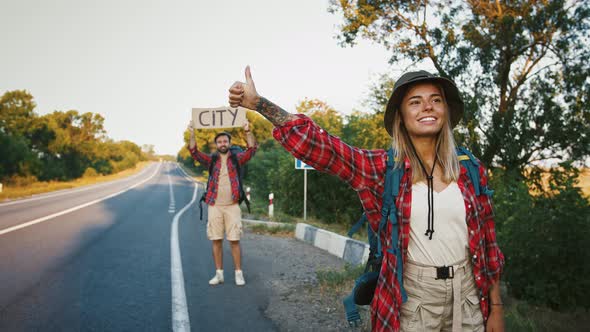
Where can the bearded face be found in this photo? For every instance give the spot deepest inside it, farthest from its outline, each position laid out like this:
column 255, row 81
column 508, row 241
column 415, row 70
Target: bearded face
column 222, row 143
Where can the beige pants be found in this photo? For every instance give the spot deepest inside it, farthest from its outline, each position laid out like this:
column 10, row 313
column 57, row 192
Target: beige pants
column 430, row 301
column 224, row 219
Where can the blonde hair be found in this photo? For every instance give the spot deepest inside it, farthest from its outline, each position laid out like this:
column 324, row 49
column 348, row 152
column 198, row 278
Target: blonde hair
column 446, row 149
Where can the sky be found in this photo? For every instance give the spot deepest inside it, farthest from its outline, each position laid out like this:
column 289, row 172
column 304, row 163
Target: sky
column 144, row 65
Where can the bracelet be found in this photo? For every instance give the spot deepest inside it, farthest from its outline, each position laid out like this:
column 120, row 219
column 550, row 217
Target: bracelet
column 247, row 131
column 497, row 303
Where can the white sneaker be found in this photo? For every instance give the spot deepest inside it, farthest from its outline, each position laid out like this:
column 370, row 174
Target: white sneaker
column 218, row 279
column 240, row 278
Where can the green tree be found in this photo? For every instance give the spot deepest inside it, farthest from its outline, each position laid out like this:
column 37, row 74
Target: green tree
column 328, row 197
column 16, row 155
column 16, row 112
column 365, row 130
column 58, row 145
column 322, row 114
column 148, row 150
column 17, row 118
column 522, row 67
column 75, row 143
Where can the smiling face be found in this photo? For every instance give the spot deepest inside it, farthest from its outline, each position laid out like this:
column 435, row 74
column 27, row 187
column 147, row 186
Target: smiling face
column 424, row 110
column 222, row 143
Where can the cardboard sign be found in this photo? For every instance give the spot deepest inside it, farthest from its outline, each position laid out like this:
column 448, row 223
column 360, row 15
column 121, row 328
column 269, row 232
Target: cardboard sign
column 221, row 117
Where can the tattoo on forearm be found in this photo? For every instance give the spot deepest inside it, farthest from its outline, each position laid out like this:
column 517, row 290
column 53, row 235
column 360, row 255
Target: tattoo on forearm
column 272, row 112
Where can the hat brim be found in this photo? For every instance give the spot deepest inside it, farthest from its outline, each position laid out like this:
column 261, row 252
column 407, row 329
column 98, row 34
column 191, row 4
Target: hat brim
column 452, row 96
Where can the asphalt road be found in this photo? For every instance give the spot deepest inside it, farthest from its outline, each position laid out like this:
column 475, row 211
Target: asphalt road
column 128, row 255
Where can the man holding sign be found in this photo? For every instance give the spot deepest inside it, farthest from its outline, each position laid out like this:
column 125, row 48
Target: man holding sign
column 223, row 193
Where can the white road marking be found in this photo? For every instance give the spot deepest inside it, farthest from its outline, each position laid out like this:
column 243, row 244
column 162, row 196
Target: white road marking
column 185, row 174
column 180, row 317
column 57, row 214
column 172, row 205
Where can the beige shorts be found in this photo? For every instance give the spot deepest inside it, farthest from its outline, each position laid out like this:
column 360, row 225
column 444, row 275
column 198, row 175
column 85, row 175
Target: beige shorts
column 224, row 219
column 430, row 302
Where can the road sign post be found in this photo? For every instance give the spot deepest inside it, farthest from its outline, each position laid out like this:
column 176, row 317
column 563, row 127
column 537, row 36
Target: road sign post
column 301, row 165
column 304, row 194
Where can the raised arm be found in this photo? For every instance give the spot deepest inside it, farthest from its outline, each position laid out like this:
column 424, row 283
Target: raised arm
column 245, row 94
column 244, row 157
column 203, row 158
column 250, row 139
column 305, row 140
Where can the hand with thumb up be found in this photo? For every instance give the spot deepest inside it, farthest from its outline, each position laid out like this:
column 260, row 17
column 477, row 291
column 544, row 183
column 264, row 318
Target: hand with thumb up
column 244, row 94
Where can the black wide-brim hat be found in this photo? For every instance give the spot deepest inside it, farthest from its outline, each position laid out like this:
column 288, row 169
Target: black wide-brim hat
column 452, row 96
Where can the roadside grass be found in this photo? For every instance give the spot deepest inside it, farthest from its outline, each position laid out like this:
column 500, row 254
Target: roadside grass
column 521, row 316
column 335, row 285
column 339, row 281
column 39, row 187
column 280, row 231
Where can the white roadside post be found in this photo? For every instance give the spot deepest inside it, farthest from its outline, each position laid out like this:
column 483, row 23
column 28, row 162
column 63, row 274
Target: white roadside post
column 0, row 187
column 271, row 208
column 248, row 193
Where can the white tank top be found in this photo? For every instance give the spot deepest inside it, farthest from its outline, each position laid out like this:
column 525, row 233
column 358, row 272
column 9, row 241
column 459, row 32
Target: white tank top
column 450, row 227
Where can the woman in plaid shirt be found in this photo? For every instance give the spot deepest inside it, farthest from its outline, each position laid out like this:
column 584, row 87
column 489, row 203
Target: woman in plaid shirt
column 451, row 260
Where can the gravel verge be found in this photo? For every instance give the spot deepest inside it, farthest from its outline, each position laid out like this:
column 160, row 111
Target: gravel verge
column 297, row 302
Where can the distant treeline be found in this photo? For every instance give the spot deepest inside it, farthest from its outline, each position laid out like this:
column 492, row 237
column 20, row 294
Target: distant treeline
column 62, row 145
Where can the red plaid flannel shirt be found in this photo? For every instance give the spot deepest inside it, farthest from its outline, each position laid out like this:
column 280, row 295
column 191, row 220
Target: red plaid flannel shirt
column 364, row 171
column 205, row 159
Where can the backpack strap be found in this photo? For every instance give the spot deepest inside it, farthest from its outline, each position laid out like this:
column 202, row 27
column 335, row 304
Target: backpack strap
column 352, row 313
column 234, row 158
column 393, row 178
column 357, row 225
column 472, row 165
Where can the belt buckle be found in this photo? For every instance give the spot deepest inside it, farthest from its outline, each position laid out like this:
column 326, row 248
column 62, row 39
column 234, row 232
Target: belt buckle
column 445, row 272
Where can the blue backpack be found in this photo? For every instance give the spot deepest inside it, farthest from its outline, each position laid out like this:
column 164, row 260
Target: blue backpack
column 365, row 285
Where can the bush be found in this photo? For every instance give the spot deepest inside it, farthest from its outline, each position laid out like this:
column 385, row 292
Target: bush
column 90, row 173
column 21, row 181
column 545, row 239
column 328, row 198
